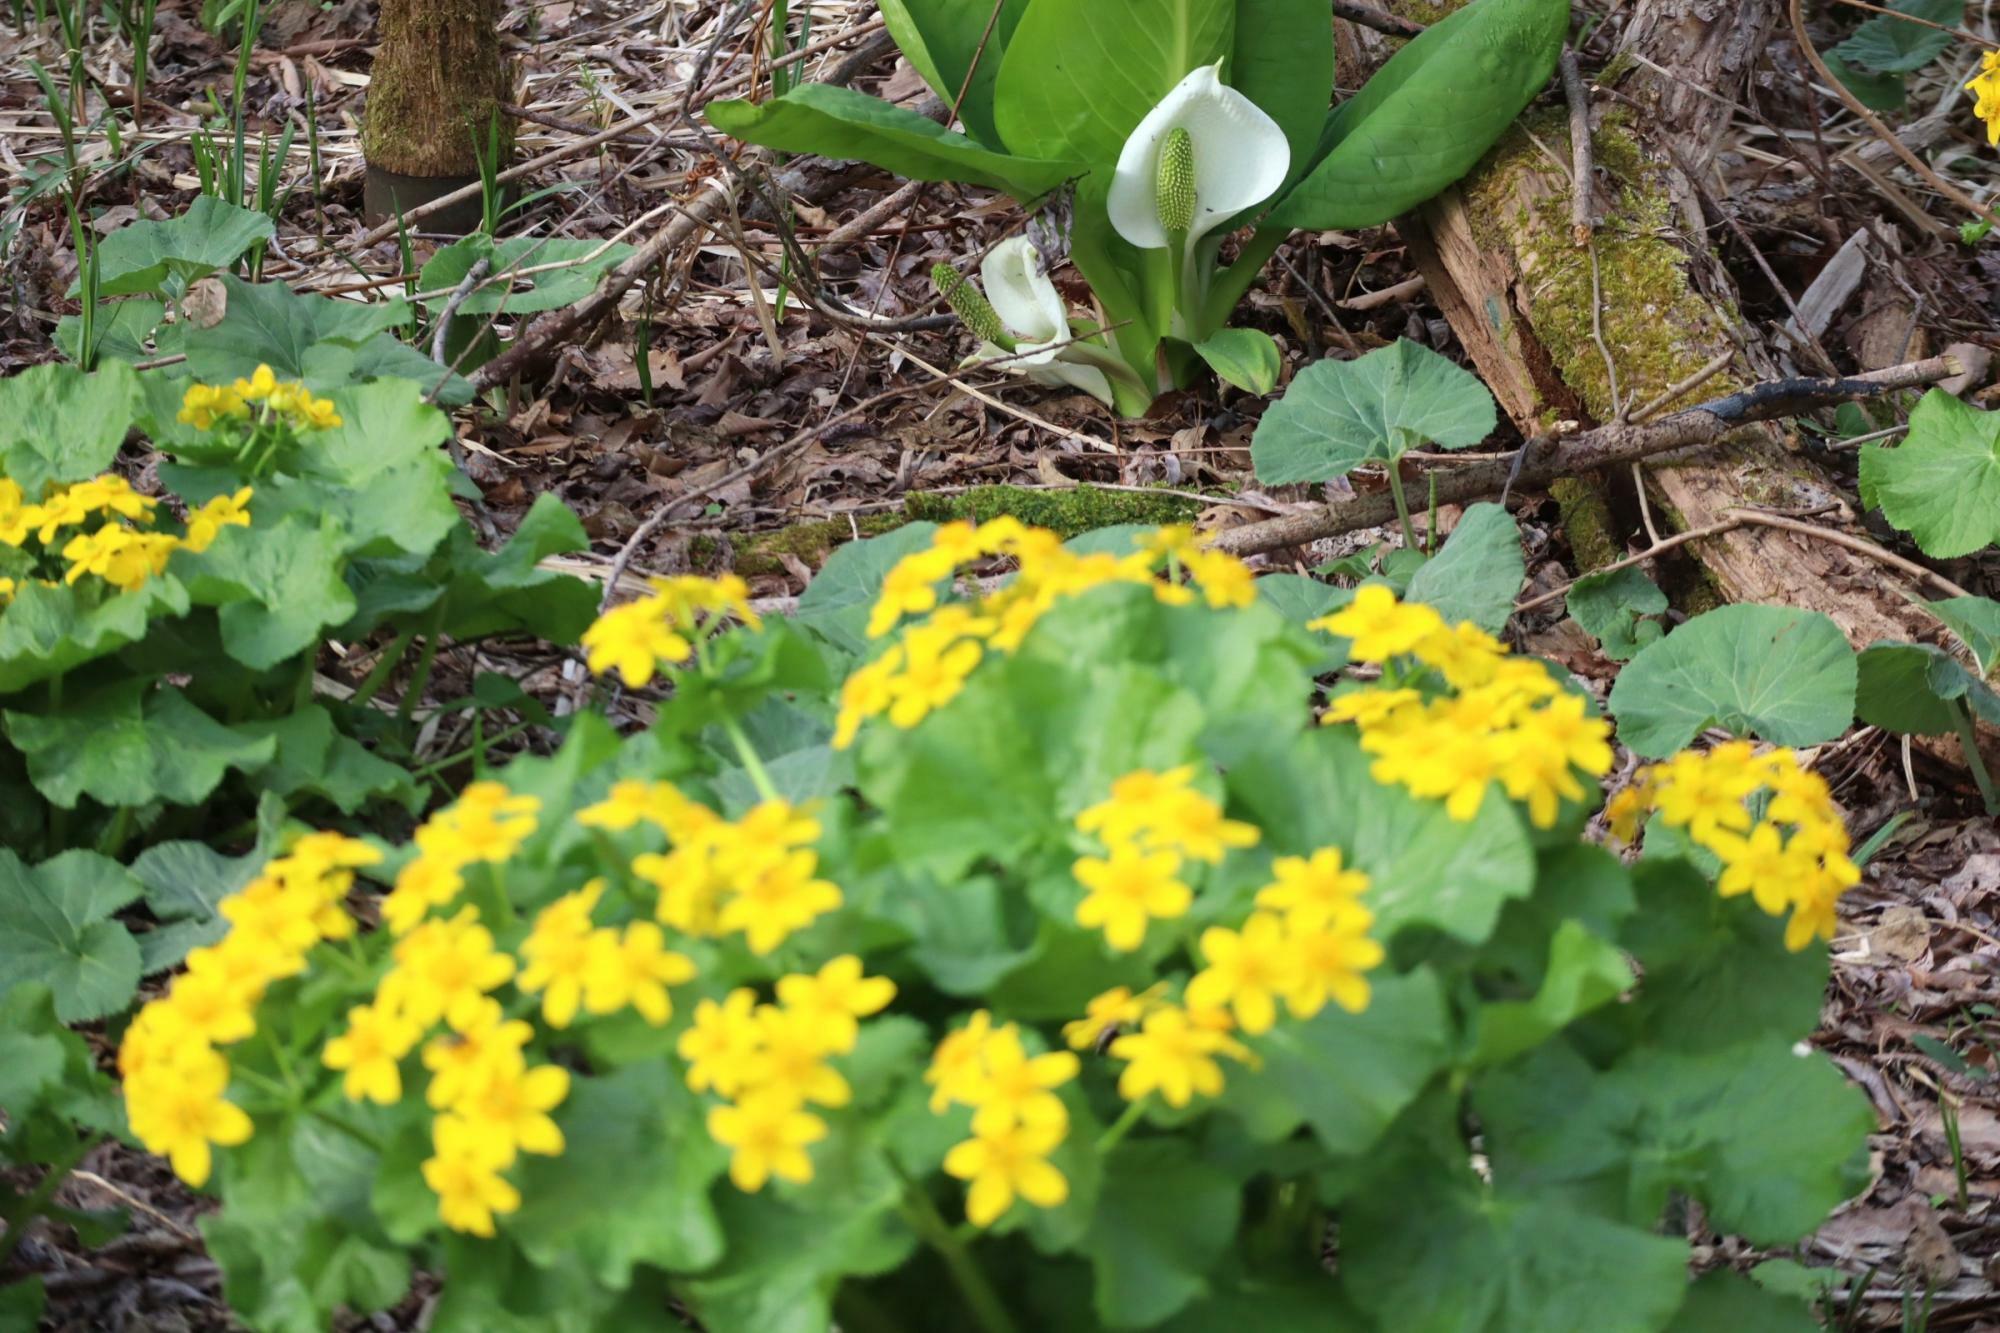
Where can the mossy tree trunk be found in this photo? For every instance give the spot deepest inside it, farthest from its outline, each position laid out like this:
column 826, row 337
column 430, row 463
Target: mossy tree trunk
column 434, row 99
column 1563, row 331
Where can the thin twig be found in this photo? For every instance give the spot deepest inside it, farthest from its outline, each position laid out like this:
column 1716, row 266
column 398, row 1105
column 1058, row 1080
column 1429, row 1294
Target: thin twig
column 1653, row 552
column 1852, row 543
column 1582, row 217
column 459, row 294
column 1686, row 386
column 1381, row 21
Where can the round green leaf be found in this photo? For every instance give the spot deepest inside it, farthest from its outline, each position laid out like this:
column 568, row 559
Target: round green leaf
column 1784, row 675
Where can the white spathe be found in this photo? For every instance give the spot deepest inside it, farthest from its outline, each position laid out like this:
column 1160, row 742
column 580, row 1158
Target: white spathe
column 1240, row 159
column 1032, row 309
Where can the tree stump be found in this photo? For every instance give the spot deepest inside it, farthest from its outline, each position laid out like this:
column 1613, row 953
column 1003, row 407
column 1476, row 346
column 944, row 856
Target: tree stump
column 435, row 99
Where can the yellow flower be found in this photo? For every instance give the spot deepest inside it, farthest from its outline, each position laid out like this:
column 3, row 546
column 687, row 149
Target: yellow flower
column 1135, row 802
column 1761, row 865
column 1224, row 580
column 791, row 1057
column 443, row 963
column 1380, row 626
column 909, row 588
column 202, row 405
column 179, row 1112
column 1191, row 823
column 782, row 899
column 1246, row 971
column 633, row 640
column 488, row 823
column 206, row 523
column 632, row 802
column 767, row 1133
column 511, row 1106
column 690, row 888
column 1003, row 1161
column 1985, row 86
column 1327, row 960
column 1107, row 1014
column 931, row 680
column 212, row 1006
column 1702, row 798
column 836, row 997
column 1172, row 1056
column 634, row 968
column 1309, row 890
column 1016, row 1088
column 559, row 952
column 481, row 1041
column 958, row 1067
column 465, row 1175
column 1369, row 707
column 369, row 1050
column 261, row 384
column 867, row 692
column 722, row 1044
column 425, row 883
column 1127, row 890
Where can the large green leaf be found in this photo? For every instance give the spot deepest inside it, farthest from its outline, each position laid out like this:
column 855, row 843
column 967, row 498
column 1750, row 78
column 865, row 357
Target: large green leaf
column 1430, row 1247
column 1164, row 1217
column 1246, row 358
column 1337, row 415
column 1078, row 79
column 1618, row 610
column 48, row 631
column 56, row 929
column 1784, row 675
column 1886, row 44
column 941, row 38
column 582, row 263
column 1942, row 484
column 61, row 424
column 633, row 1186
column 1915, row 689
column 266, row 323
column 1429, row 114
column 507, row 591
column 840, row 123
column 276, row 586
column 315, row 759
column 166, row 258
column 1727, row 1302
column 125, row 746
column 1428, row 869
column 1477, row 573
column 185, row 885
column 1347, row 1076
column 1283, row 61
column 1768, row 1139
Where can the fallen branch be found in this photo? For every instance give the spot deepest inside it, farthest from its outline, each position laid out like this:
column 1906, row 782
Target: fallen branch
column 1368, row 16
column 1549, row 457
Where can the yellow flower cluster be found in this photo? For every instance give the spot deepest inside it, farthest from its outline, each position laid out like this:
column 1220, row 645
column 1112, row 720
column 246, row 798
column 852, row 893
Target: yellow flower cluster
column 930, row 663
column 175, row 1073
column 756, row 876
column 1985, row 86
column 768, row 1062
column 1151, row 821
column 667, row 625
column 286, row 400
column 487, row 824
column 1017, row 1118
column 1794, row 858
column 1504, row 719
column 112, row 542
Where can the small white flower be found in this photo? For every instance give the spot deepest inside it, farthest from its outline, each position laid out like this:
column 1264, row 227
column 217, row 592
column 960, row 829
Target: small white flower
column 1032, row 309
column 1240, row 159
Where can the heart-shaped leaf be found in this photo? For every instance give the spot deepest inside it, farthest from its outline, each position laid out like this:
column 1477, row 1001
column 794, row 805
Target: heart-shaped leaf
column 56, row 929
column 1784, row 675
column 1942, row 484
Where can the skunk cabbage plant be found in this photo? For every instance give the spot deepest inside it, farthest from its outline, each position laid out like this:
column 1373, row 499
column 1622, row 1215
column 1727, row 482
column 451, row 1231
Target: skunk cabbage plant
column 1175, row 123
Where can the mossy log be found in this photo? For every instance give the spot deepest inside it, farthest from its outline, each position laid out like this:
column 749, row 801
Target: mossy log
column 1562, row 330
column 435, row 99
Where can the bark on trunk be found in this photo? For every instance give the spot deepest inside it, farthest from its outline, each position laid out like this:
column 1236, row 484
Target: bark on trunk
column 434, row 95
column 1562, row 331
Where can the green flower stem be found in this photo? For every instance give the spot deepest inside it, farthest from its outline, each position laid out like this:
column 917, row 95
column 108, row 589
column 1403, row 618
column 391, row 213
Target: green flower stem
column 420, row 678
column 924, row 1219
column 760, row 778
column 1968, row 740
column 472, row 752
column 1402, row 504
column 1122, row 1126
